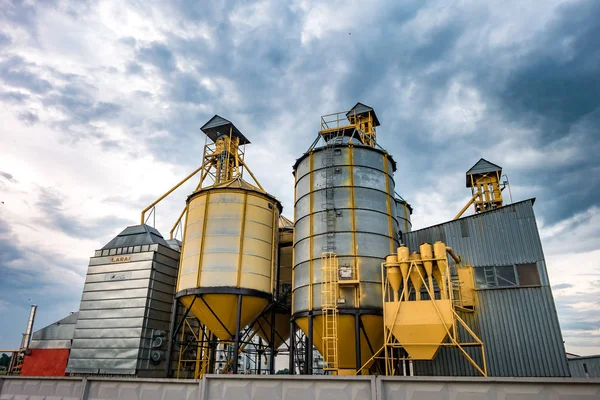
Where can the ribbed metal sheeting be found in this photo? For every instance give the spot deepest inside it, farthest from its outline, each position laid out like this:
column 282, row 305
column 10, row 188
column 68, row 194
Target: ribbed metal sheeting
column 55, row 336
column 592, row 364
column 363, row 188
column 506, row 236
column 519, row 326
column 521, row 334
column 126, row 296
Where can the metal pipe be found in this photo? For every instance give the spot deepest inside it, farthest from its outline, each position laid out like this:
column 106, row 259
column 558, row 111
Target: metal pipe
column 453, row 255
column 252, row 175
column 168, row 193
column 27, row 335
column 177, row 223
column 461, row 212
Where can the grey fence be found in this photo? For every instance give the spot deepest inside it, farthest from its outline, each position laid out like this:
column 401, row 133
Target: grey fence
column 225, row 387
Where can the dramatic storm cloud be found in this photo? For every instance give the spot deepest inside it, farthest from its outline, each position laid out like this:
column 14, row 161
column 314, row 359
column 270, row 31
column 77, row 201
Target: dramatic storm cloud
column 100, row 105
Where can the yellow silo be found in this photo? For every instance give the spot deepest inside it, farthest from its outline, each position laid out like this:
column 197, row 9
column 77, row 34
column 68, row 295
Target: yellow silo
column 228, row 256
column 229, row 253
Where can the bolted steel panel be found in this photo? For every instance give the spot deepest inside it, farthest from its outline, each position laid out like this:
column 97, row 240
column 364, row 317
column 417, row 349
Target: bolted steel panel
column 363, row 192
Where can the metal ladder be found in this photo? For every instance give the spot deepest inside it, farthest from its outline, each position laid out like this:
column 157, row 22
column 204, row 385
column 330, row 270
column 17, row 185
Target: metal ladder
column 327, row 195
column 329, row 296
column 490, row 276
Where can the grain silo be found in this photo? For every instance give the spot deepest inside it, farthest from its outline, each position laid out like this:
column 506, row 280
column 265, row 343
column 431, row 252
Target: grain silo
column 227, row 276
column 345, row 225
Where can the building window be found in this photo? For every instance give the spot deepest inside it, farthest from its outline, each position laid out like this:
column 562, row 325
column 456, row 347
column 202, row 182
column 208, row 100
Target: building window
column 507, row 276
column 528, row 275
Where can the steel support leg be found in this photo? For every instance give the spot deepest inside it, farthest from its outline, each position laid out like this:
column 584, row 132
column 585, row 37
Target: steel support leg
column 292, row 363
column 236, row 347
column 309, row 346
column 357, row 339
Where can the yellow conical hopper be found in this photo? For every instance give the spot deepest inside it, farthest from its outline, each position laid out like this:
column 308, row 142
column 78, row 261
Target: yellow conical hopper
column 373, row 325
column 427, row 253
column 393, row 274
column 439, row 272
column 403, row 259
column 282, row 327
column 416, row 274
column 420, row 326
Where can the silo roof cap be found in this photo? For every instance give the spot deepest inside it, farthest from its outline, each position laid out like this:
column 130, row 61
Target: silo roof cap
column 360, row 108
column 218, row 126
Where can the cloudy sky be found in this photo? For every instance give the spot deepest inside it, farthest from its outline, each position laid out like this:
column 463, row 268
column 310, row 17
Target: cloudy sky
column 100, row 105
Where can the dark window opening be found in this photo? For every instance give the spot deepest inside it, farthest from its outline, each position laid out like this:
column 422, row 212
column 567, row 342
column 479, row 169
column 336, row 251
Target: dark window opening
column 528, row 275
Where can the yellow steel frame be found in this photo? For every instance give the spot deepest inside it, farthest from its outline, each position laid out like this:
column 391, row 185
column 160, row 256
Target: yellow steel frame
column 235, row 356
column 222, row 160
column 201, row 362
column 391, row 343
column 347, row 121
column 329, row 316
column 486, row 193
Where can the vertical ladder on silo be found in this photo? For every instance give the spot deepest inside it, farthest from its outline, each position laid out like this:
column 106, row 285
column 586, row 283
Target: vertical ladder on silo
column 328, row 203
column 329, row 262
column 329, row 297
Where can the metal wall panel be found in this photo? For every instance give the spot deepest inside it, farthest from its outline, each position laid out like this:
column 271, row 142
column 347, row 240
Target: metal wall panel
column 122, row 303
column 519, row 325
column 592, row 364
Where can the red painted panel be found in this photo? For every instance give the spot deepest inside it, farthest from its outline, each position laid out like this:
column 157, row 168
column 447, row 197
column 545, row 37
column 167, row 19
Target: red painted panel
column 45, row 362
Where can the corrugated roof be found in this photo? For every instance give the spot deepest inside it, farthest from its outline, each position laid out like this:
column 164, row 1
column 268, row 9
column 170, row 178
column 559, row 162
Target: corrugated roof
column 519, row 326
column 59, row 330
column 218, row 126
column 136, row 235
column 285, row 223
column 482, row 166
column 592, row 364
column 361, row 108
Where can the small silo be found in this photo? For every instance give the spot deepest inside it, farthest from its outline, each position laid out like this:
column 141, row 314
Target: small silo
column 229, row 250
column 345, row 214
column 403, row 213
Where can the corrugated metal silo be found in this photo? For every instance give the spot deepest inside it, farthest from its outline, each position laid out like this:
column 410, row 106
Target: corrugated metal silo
column 344, row 203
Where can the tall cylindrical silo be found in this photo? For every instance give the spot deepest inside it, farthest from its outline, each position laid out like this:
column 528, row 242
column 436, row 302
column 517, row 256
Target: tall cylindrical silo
column 358, row 180
column 229, row 255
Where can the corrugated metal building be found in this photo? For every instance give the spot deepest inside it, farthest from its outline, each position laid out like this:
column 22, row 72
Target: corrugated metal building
column 125, row 308
column 49, row 349
column 584, row 367
column 515, row 315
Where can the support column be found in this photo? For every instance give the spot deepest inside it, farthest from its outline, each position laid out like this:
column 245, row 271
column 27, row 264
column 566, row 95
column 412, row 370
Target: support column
column 292, row 364
column 309, row 346
column 272, row 344
column 357, row 339
column 236, row 347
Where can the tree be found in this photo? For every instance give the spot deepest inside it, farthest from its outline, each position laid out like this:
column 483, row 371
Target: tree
column 284, row 371
column 4, row 360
